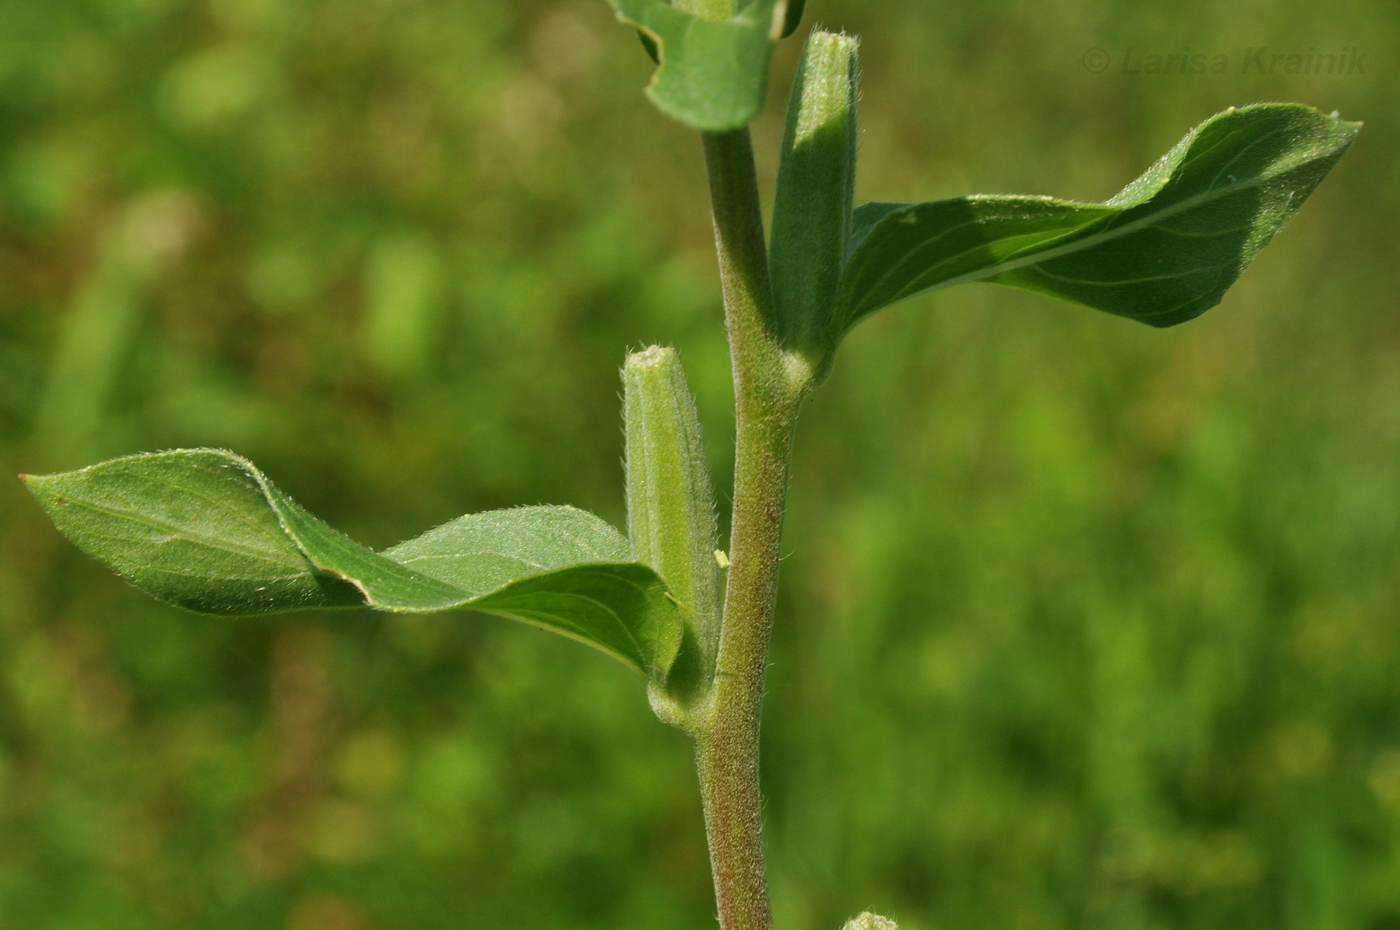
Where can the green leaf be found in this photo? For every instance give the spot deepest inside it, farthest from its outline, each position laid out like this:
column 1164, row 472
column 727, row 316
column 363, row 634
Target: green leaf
column 1162, row 251
column 205, row 530
column 712, row 75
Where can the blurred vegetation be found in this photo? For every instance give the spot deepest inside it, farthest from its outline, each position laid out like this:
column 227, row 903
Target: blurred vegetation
column 1084, row 625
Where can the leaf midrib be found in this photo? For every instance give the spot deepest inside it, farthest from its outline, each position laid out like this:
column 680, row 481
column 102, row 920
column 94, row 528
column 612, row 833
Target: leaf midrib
column 178, row 531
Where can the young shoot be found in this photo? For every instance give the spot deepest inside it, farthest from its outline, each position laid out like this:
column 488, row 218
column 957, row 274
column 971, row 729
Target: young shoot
column 687, row 613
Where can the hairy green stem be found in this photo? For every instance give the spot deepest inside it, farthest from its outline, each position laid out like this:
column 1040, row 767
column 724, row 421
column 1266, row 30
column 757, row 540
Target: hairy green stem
column 768, row 385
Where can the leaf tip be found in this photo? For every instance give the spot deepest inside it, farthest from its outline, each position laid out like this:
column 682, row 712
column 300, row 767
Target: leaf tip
column 34, row 483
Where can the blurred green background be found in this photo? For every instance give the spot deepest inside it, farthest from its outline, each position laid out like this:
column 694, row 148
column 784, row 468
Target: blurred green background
column 1084, row 625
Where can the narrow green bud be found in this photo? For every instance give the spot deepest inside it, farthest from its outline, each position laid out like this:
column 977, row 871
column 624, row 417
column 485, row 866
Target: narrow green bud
column 869, row 921
column 670, row 504
column 816, row 186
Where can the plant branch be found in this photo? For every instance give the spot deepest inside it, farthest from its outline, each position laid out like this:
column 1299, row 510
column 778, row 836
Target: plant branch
column 768, row 384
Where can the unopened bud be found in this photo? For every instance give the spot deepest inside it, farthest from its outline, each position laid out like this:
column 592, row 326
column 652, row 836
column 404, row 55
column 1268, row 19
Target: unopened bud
column 670, row 504
column 869, row 921
column 816, row 185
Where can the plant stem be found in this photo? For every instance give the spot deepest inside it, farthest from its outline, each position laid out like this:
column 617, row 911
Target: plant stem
column 768, row 385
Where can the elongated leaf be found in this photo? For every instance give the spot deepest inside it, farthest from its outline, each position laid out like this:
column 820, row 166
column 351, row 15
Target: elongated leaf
column 712, row 75
column 1162, row 251
column 205, row 530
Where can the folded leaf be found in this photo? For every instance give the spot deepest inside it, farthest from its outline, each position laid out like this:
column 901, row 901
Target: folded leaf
column 712, row 75
column 205, row 530
column 1162, row 251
